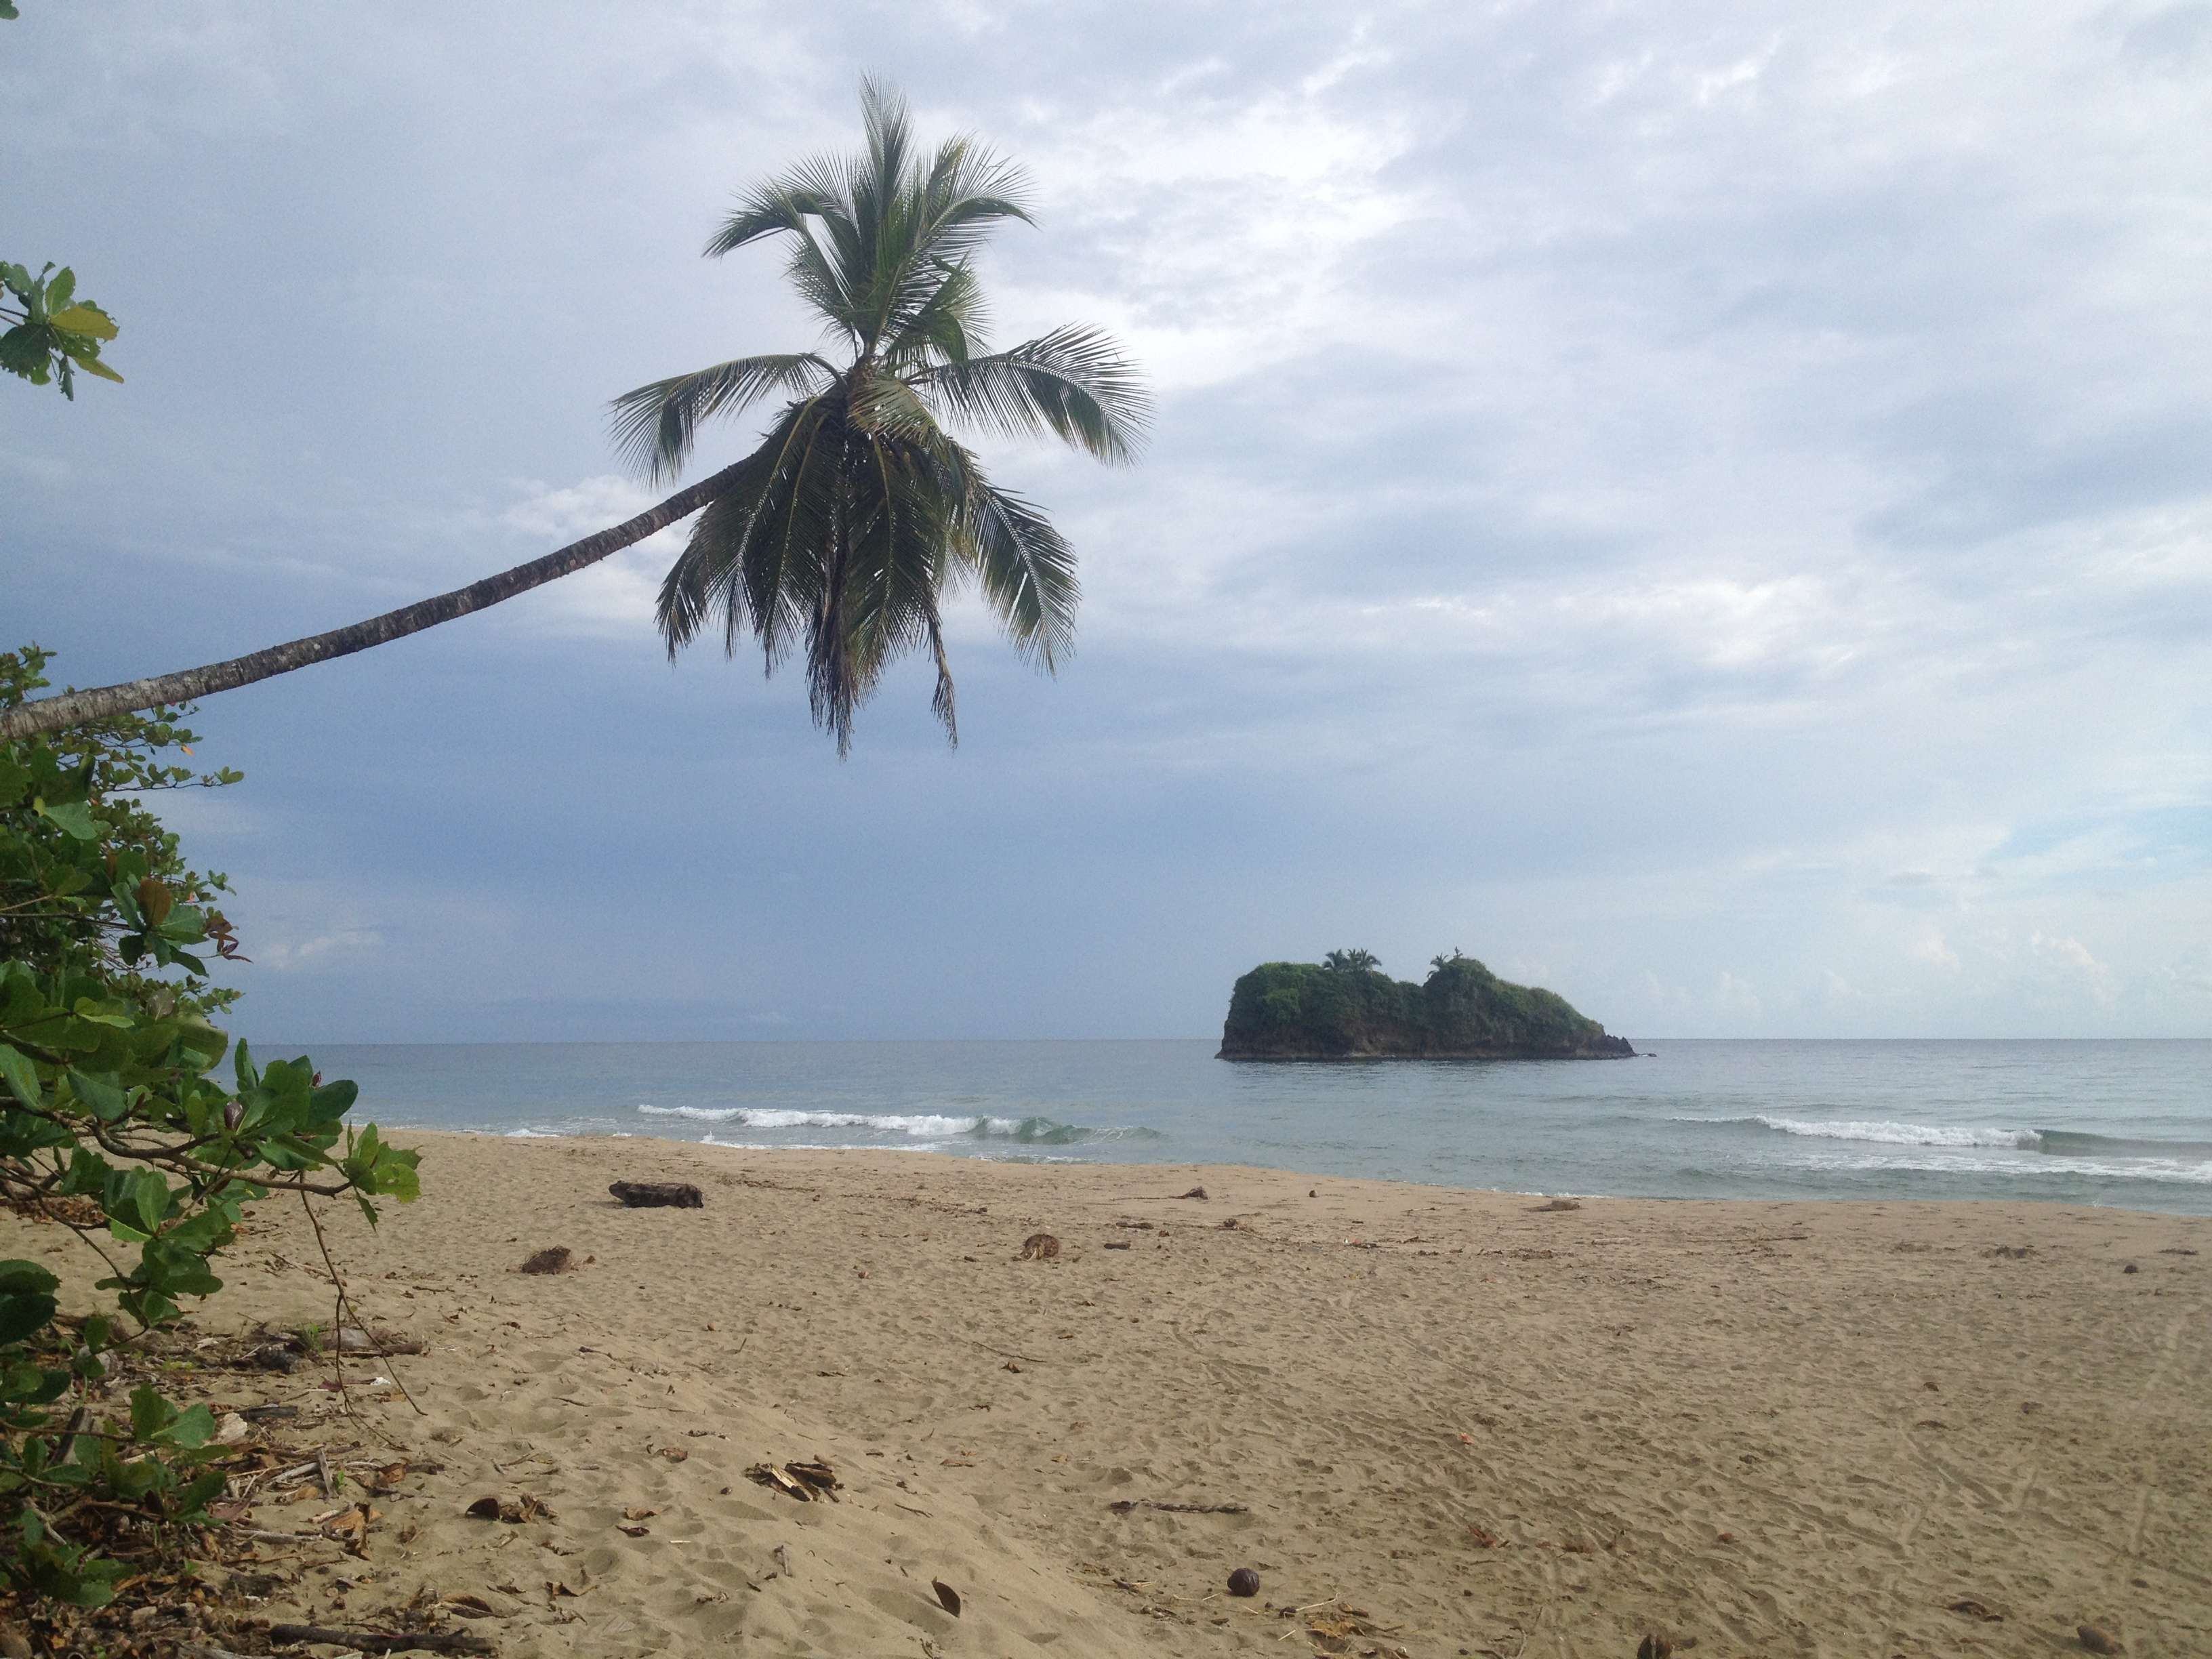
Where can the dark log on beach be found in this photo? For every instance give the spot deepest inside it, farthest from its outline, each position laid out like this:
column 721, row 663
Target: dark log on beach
column 372, row 1641
column 648, row 1194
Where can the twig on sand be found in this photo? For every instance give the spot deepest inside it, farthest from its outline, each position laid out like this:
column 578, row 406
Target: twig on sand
column 372, row 1641
column 338, row 1323
column 1006, row 1353
column 1123, row 1506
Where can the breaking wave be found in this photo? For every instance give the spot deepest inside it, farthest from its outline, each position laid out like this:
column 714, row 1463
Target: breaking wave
column 2062, row 1152
column 921, row 1126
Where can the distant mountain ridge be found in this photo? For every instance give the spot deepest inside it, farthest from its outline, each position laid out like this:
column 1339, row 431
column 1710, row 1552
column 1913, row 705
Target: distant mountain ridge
column 1346, row 1009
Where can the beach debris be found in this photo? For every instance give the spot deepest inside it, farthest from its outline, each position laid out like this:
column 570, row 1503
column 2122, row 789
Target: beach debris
column 2130, row 1268
column 639, row 1512
column 1117, row 1244
column 632, row 1530
column 947, row 1597
column 1557, row 1204
column 2098, row 1641
column 657, row 1194
column 351, row 1338
column 1040, row 1247
column 1313, row 1192
column 1231, row 1224
column 674, row 1454
column 2176, row 1249
column 807, row 1482
column 1243, row 1582
column 1196, row 1192
column 2014, row 1252
column 232, row 1428
column 377, row 1641
column 1334, row 1620
column 512, row 1511
column 554, row 1258
column 350, row 1526
column 471, row 1607
column 1123, row 1505
column 1482, row 1534
column 1966, row 1606
column 1655, row 1646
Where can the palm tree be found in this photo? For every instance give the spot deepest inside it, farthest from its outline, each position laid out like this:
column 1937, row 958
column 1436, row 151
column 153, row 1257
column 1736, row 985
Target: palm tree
column 859, row 512
column 1351, row 962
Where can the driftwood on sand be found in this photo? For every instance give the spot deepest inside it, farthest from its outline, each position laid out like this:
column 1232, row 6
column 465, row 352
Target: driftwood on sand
column 658, row 1194
column 370, row 1641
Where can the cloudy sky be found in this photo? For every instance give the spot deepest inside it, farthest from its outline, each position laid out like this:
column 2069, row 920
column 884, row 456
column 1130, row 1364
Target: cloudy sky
column 1706, row 507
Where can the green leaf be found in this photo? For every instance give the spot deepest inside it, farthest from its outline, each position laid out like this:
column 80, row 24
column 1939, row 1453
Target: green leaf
column 21, row 1076
column 84, row 319
column 331, row 1102
column 150, row 1197
column 150, row 1413
column 21, row 1315
column 60, row 290
column 106, row 1098
column 94, row 365
column 26, row 1278
column 72, row 817
column 191, row 1429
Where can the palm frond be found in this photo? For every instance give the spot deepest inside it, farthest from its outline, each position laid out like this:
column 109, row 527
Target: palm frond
column 884, row 404
column 1073, row 383
column 655, row 425
column 897, row 535
column 1025, row 569
column 778, row 205
column 968, row 188
column 750, row 552
column 947, row 326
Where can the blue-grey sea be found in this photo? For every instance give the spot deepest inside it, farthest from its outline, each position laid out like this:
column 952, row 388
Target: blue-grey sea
column 2083, row 1123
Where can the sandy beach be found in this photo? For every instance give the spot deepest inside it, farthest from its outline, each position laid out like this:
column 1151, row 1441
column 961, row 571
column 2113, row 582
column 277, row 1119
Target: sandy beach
column 1434, row 1422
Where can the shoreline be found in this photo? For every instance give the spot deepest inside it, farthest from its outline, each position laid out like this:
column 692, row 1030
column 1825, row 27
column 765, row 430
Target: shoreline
column 1067, row 1160
column 1807, row 1425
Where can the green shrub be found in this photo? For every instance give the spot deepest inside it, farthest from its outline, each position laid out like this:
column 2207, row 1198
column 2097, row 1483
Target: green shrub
column 109, row 1107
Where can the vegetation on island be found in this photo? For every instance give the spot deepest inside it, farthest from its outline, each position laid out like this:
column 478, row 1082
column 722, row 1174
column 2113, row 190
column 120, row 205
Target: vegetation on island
column 860, row 514
column 1344, row 1008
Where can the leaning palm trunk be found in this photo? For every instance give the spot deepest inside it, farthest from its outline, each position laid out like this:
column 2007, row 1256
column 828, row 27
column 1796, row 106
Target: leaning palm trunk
column 861, row 512
column 76, row 708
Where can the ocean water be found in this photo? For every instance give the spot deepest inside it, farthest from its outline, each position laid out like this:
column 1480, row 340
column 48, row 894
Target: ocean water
column 2083, row 1123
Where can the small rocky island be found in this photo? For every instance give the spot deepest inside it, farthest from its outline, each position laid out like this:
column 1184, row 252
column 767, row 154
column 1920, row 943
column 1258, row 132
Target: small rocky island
column 1343, row 1007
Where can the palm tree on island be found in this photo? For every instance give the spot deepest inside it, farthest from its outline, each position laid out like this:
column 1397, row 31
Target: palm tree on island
column 860, row 514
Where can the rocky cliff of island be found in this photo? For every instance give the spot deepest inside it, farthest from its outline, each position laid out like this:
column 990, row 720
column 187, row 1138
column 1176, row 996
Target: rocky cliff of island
column 1344, row 1008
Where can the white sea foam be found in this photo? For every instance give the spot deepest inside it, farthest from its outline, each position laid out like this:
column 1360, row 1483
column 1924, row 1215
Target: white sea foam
column 2157, row 1170
column 907, row 1123
column 1890, row 1134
